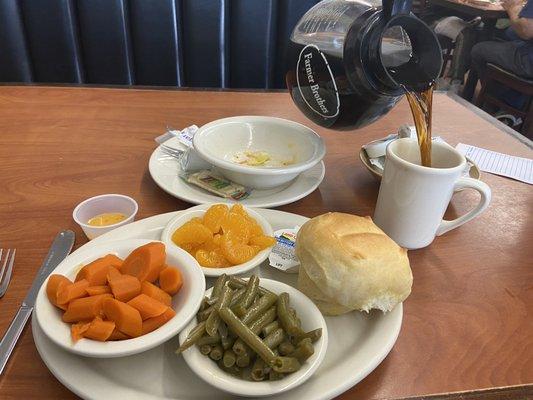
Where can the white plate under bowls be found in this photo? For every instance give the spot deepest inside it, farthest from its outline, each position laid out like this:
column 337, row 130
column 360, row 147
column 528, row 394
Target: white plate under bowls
column 186, row 302
column 311, row 319
column 199, row 211
column 164, row 171
column 357, row 344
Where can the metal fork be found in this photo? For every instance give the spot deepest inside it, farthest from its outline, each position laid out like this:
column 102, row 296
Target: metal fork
column 5, row 273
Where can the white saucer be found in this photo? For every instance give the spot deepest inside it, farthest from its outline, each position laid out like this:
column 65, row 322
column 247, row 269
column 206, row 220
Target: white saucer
column 164, row 171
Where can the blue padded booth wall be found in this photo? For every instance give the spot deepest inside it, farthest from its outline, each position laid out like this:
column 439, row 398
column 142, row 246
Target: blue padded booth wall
column 199, row 43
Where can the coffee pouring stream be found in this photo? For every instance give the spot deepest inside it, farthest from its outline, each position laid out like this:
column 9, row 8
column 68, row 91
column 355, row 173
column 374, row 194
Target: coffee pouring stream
column 349, row 62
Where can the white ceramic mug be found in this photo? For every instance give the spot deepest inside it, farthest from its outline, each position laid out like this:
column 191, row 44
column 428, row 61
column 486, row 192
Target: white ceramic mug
column 412, row 199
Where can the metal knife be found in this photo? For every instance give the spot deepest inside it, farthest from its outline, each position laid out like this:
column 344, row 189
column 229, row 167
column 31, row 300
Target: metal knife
column 61, row 247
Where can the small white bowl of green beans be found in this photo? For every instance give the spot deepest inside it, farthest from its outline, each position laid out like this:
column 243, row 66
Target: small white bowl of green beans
column 288, row 349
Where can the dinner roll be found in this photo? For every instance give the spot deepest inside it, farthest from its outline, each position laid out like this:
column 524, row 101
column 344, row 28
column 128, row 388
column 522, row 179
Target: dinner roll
column 347, row 263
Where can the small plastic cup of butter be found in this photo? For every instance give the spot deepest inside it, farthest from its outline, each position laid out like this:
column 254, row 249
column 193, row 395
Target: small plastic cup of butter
column 101, row 214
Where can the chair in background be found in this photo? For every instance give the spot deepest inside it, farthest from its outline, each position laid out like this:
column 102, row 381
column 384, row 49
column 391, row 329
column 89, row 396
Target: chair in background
column 456, row 37
column 205, row 43
column 496, row 75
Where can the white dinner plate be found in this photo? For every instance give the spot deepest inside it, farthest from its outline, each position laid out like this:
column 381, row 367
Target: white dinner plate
column 164, row 171
column 358, row 342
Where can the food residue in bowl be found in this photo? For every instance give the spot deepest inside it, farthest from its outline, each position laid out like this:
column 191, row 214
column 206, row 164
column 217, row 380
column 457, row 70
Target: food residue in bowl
column 224, row 237
column 106, row 219
column 259, row 158
column 114, row 299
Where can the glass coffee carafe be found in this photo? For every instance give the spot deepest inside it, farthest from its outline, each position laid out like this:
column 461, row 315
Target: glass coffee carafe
column 350, row 61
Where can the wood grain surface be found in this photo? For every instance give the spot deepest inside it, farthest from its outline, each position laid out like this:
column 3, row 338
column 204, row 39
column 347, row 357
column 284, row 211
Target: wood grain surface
column 468, row 323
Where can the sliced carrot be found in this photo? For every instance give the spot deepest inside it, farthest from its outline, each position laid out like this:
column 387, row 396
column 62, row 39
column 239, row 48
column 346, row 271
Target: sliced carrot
column 151, row 324
column 96, row 272
column 72, row 291
column 125, row 287
column 145, row 262
column 126, row 318
column 78, row 330
column 113, row 273
column 100, row 330
column 95, row 290
column 147, row 306
column 170, row 280
column 54, row 284
column 117, row 335
column 154, row 292
column 86, row 308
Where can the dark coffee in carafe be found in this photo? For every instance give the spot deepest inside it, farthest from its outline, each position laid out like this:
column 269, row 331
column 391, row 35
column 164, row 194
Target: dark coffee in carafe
column 351, row 61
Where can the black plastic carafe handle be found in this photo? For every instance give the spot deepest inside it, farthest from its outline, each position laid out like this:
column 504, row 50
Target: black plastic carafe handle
column 395, row 7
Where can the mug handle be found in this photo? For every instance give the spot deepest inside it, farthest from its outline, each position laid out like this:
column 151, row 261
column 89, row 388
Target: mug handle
column 467, row 183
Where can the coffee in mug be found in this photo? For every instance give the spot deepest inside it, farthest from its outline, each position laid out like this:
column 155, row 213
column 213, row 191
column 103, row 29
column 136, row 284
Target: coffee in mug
column 412, row 198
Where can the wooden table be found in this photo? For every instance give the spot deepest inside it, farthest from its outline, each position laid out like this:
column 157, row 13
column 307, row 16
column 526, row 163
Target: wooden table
column 468, row 322
column 489, row 13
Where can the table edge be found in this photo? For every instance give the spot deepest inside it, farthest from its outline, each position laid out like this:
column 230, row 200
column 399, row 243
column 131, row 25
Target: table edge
column 497, row 393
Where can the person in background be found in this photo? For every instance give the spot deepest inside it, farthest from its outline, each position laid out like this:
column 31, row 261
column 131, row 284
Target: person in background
column 515, row 55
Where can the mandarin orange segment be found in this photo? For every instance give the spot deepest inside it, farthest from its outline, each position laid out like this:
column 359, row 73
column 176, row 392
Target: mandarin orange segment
column 191, row 232
column 255, row 228
column 238, row 209
column 263, row 241
column 217, row 239
column 214, row 216
column 238, row 253
column 237, row 226
column 212, row 259
column 190, row 248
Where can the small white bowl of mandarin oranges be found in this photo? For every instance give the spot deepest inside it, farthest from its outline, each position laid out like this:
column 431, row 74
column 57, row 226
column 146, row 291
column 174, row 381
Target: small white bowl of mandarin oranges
column 224, row 239
column 120, row 298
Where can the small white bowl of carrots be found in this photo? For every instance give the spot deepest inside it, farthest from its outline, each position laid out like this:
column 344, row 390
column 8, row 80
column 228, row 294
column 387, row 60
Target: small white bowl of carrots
column 120, row 298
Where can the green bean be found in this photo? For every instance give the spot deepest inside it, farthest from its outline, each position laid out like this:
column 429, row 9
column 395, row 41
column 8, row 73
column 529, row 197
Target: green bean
column 270, row 328
column 258, row 307
column 229, row 358
column 235, row 283
column 275, row 338
column 275, row 376
column 204, row 304
column 237, row 296
column 285, row 348
column 263, row 320
column 294, row 316
column 285, row 364
column 258, row 370
column 205, row 349
column 208, row 340
column 204, row 314
column 211, row 325
column 216, row 352
column 194, row 335
column 248, row 297
column 314, row 335
column 250, row 338
column 304, row 350
column 222, row 330
column 233, row 370
column 285, row 318
column 256, row 327
column 227, row 342
column 217, row 287
column 239, row 347
column 212, row 301
column 243, row 360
